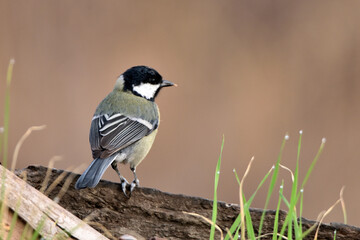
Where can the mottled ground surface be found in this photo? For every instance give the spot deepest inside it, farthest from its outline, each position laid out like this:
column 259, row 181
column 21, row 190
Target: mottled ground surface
column 150, row 213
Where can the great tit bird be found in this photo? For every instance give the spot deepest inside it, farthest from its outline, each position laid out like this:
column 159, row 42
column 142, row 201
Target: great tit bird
column 124, row 125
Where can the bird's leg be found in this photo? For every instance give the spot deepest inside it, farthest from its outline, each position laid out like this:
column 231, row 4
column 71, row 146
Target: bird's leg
column 123, row 181
column 136, row 181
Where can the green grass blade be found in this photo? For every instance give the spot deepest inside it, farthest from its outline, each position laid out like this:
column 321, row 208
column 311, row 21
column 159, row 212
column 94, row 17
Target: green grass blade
column 25, row 231
column 287, row 203
column 237, row 177
column 296, row 227
column 1, row 138
column 305, row 181
column 312, row 165
column 272, row 183
column 13, row 220
column 293, row 199
column 291, row 215
column 313, row 162
column 289, row 235
column 249, row 224
column 247, row 204
column 217, row 175
column 236, row 224
column 7, row 113
column 276, row 220
column 300, row 212
column 4, row 142
column 258, row 188
column 39, row 228
column 237, row 231
column 287, row 220
column 308, row 231
column 296, row 174
column 248, row 221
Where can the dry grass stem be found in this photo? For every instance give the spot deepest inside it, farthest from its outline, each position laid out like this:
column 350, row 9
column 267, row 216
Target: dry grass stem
column 64, row 188
column 343, row 204
column 208, row 221
column 56, row 182
column 48, row 172
column 99, row 225
column 21, row 141
column 60, row 178
column 270, row 234
column 288, row 169
column 241, row 198
column 323, row 216
column 230, row 235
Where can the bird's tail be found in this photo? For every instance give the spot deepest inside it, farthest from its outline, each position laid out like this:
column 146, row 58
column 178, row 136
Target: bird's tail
column 92, row 175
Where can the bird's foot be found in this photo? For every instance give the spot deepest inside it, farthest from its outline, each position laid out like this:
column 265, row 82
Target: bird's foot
column 134, row 184
column 124, row 184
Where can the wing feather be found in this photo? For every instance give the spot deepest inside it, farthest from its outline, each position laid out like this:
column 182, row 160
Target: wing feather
column 110, row 134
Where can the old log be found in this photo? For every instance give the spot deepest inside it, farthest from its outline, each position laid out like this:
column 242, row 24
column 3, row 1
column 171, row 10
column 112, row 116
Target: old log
column 152, row 214
column 36, row 209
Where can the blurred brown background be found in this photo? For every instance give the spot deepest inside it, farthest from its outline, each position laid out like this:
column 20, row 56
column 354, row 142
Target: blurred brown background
column 251, row 70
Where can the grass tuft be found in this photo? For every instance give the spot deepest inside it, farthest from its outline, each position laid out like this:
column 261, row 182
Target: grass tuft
column 217, row 176
column 291, row 226
column 273, row 182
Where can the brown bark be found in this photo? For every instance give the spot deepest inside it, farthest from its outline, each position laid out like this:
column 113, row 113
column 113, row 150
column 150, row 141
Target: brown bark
column 34, row 208
column 150, row 213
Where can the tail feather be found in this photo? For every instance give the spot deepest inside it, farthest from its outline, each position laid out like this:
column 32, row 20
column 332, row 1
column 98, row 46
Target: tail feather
column 92, row 175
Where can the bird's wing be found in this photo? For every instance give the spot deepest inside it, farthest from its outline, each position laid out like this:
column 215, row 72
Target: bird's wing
column 111, row 133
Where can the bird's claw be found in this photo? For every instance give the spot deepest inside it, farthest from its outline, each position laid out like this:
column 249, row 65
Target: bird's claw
column 124, row 184
column 134, row 184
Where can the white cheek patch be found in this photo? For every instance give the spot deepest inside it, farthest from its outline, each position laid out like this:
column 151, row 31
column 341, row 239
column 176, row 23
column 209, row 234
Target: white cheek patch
column 146, row 90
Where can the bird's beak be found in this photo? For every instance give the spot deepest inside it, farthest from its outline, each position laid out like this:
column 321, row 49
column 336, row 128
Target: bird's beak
column 166, row 83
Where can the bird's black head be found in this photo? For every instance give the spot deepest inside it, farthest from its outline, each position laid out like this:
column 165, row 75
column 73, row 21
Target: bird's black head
column 143, row 81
